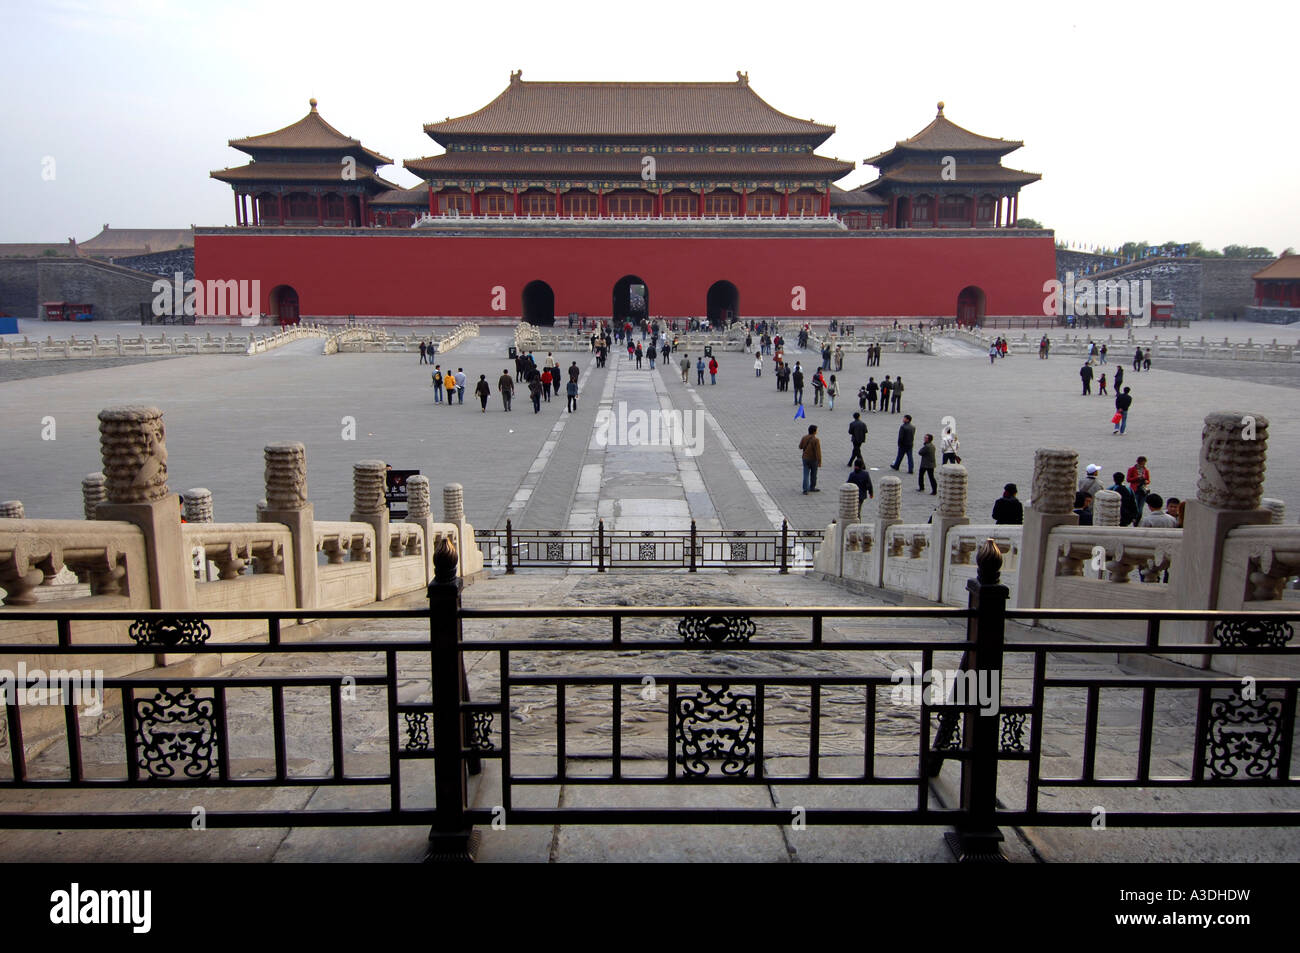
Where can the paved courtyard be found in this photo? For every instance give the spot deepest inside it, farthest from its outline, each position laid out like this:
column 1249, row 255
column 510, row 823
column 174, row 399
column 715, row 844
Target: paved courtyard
column 551, row 470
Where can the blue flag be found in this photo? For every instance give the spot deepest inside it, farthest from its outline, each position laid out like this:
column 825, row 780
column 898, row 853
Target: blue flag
column 798, row 413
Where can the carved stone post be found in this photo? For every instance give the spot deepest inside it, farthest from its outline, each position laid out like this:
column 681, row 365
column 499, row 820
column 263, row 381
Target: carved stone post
column 133, row 445
column 953, row 478
column 198, row 505
column 1276, row 509
column 1228, row 494
column 1052, row 505
column 889, row 511
column 1106, row 508
column 453, row 511
column 368, row 484
column 286, row 503
column 12, row 510
column 94, row 490
column 418, row 512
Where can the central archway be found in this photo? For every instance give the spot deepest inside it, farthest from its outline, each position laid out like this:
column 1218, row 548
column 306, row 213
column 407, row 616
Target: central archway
column 970, row 306
column 539, row 304
column 283, row 304
column 722, row 303
column 631, row 299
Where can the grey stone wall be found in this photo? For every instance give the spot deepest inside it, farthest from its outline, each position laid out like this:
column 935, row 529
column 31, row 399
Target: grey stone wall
column 19, row 287
column 1227, row 286
column 116, row 292
column 164, row 264
column 1271, row 315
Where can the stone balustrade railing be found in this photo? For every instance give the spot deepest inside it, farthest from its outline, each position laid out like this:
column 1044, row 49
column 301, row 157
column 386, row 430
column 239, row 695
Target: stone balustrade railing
column 1119, row 349
column 354, row 338
column 461, row 334
column 260, row 344
column 91, row 347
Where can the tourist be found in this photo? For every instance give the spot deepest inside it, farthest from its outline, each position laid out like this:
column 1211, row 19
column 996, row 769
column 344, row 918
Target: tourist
column 545, row 388
column 839, row 358
column 535, row 392
column 437, row 383
column 713, row 370
column 1119, row 378
column 811, row 446
column 858, row 435
column 573, row 394
column 927, row 466
column 872, row 390
column 749, row 342
column 1122, row 403
column 460, row 385
column 832, row 388
column 631, row 349
column 1127, row 502
column 1085, row 373
column 1007, row 510
column 862, row 480
column 1139, row 478
column 906, row 439
column 896, row 394
column 758, row 365
column 826, row 357
column 1156, row 518
column 885, row 387
column 950, row 446
column 819, row 387
column 993, row 352
column 1146, row 360
column 574, row 373
column 650, row 354
column 699, row 370
column 507, row 388
column 1137, row 359
column 639, row 354
column 797, row 378
column 1103, row 354
column 482, row 391
column 665, row 351
column 423, row 353
column 1101, row 386
column 1174, row 507
column 450, row 383
column 1083, row 508
column 1089, row 483
column 685, row 364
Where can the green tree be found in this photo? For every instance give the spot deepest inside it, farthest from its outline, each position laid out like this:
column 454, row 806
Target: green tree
column 1028, row 223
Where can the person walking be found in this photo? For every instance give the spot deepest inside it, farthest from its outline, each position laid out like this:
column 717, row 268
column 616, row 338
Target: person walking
column 1085, row 373
column 1101, row 386
column 758, row 365
column 872, row 390
column 640, row 353
column 839, row 358
column 1137, row 360
column 424, row 355
column 1119, row 378
column 482, row 391
column 993, row 353
column 461, row 380
column 1102, row 354
column 535, row 392
column 832, row 388
column 449, row 382
column 906, row 440
column 713, row 370
column 811, row 446
column 1122, row 403
column 1146, row 360
column 545, row 389
column 1007, row 510
column 506, row 386
column 950, row 445
column 574, row 373
column 858, row 436
column 437, row 384
column 927, row 466
column 685, row 364
column 819, row 387
column 862, row 398
column 573, row 394
column 885, row 387
column 797, row 379
column 699, row 371
column 896, row 394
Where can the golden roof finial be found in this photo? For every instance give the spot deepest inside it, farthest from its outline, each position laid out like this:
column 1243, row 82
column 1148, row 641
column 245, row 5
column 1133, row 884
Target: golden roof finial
column 312, row 103
column 940, row 109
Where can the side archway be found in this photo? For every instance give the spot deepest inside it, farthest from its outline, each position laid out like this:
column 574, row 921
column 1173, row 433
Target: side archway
column 722, row 303
column 970, row 306
column 539, row 304
column 283, row 305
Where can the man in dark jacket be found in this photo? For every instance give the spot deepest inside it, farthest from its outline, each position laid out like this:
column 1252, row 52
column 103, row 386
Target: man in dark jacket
column 906, row 440
column 1085, row 373
column 857, row 434
column 798, row 384
column 1128, row 509
column 862, row 480
column 506, row 385
column 811, row 446
column 928, row 453
column 1007, row 510
column 1122, row 403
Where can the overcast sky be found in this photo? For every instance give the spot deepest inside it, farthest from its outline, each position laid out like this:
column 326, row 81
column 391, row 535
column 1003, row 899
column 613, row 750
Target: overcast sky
column 1146, row 120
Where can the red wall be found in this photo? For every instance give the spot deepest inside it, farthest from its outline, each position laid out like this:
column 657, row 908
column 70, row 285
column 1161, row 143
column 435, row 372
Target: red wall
column 411, row 274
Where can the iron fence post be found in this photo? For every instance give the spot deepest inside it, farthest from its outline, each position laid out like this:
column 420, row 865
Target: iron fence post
column 692, row 545
column 600, row 545
column 452, row 837
column 510, row 549
column 785, row 547
column 978, row 839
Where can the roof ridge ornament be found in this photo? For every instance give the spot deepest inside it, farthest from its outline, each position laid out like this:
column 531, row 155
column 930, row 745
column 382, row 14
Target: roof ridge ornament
column 312, row 103
column 742, row 78
column 940, row 116
column 516, row 77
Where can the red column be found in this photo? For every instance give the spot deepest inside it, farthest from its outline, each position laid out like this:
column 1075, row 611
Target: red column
column 514, row 203
column 1015, row 209
column 659, row 203
column 320, row 209
column 279, row 205
column 974, row 207
column 826, row 201
column 934, row 213
column 559, row 202
column 256, row 217
column 473, row 201
column 699, row 206
column 744, row 202
column 365, row 211
column 785, row 203
column 432, row 207
column 600, row 203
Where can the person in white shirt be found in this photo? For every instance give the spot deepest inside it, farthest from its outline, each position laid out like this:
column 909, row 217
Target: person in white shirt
column 1155, row 516
column 758, row 366
column 950, row 445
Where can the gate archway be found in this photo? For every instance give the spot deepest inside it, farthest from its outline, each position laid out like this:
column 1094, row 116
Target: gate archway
column 539, row 304
column 631, row 299
column 283, row 304
column 970, row 306
column 722, row 303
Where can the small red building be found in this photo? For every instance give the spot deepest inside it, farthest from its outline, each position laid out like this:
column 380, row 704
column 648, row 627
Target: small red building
column 1278, row 285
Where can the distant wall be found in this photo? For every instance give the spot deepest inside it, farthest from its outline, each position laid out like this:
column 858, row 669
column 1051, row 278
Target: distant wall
column 116, row 292
column 19, row 287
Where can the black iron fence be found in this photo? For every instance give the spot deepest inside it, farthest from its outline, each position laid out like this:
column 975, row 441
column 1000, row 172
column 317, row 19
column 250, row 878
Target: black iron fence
column 692, row 698
column 600, row 549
